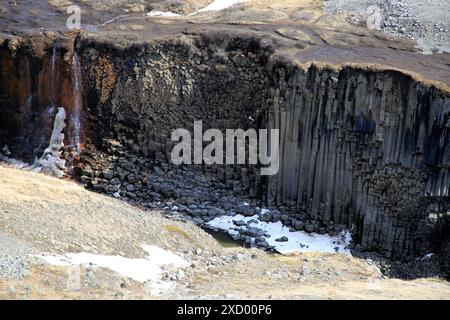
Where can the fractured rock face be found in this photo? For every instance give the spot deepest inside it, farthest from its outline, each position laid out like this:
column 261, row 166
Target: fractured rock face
column 359, row 147
column 363, row 148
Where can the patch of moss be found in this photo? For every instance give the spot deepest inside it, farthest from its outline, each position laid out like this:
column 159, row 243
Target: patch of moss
column 177, row 230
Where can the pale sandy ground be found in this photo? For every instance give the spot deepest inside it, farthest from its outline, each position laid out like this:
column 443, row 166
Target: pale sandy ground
column 60, row 216
column 40, row 213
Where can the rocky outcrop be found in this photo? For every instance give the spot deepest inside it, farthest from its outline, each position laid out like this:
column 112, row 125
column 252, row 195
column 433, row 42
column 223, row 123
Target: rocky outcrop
column 358, row 147
column 361, row 147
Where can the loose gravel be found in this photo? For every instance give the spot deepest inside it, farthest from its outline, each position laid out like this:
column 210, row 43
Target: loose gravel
column 427, row 21
column 12, row 257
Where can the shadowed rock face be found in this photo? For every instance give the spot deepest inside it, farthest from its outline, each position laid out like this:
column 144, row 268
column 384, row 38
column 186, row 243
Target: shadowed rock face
column 365, row 149
column 368, row 149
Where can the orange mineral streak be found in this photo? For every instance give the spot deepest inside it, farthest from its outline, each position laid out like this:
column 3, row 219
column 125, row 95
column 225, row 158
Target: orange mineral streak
column 22, row 84
column 44, row 84
column 15, row 79
column 106, row 78
column 65, row 96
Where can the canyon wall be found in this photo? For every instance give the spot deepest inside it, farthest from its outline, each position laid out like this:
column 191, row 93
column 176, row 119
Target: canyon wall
column 35, row 79
column 365, row 148
column 369, row 149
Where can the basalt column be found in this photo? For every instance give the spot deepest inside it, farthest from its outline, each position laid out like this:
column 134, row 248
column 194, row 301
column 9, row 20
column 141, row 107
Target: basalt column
column 367, row 149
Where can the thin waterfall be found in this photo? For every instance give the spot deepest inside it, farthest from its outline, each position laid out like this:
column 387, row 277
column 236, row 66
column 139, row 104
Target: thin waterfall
column 28, row 108
column 29, row 103
column 77, row 101
column 53, row 76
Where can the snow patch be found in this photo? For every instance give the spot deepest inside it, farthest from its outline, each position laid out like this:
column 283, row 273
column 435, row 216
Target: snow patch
column 214, row 6
column 220, row 5
column 13, row 163
column 427, row 256
column 162, row 14
column 298, row 241
column 148, row 270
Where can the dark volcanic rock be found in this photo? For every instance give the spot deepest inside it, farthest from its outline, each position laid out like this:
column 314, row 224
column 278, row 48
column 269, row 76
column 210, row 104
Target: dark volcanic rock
column 282, row 239
column 364, row 148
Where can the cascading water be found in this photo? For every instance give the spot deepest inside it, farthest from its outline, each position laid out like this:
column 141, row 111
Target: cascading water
column 29, row 102
column 77, row 102
column 53, row 75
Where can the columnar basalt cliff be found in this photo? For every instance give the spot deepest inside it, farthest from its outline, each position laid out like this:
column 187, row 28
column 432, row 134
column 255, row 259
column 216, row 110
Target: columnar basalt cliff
column 364, row 148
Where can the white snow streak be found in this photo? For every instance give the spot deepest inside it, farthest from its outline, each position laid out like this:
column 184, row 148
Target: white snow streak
column 162, row 14
column 221, row 4
column 298, row 241
column 148, row 270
